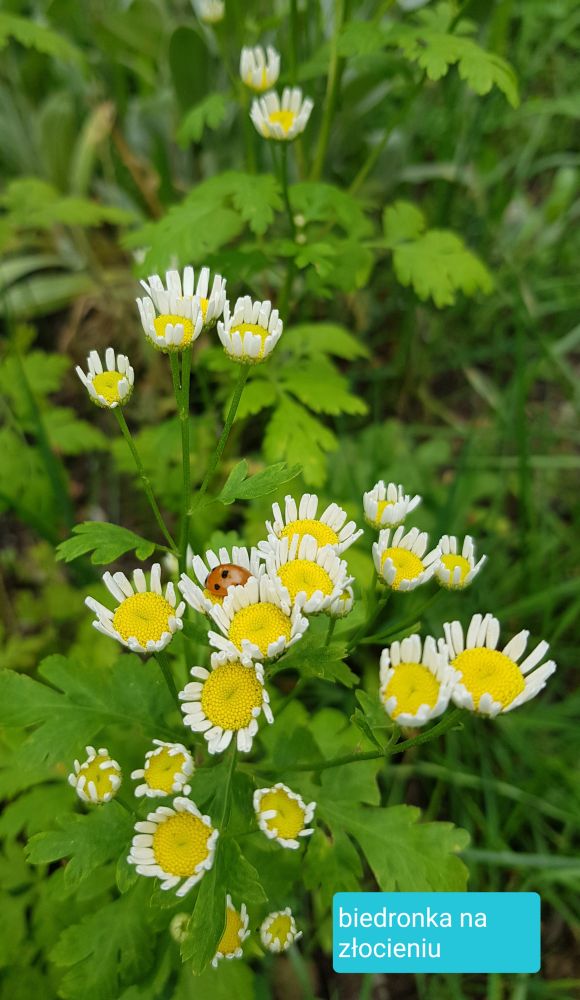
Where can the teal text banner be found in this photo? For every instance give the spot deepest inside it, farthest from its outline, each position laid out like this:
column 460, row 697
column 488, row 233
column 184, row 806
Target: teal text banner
column 436, row 932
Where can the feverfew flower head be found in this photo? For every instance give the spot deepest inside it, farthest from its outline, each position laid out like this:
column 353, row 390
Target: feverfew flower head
column 387, row 505
column 342, row 605
column 98, row 778
column 167, row 770
column 259, row 69
column 281, row 118
column 211, row 11
column 176, row 845
column 329, row 528
column 235, row 933
column 313, row 575
column 216, row 573
column 283, row 815
column 251, row 332
column 257, row 620
column 278, row 931
column 402, row 561
column 174, row 314
column 144, row 620
column 416, row 683
column 224, row 703
column 110, row 386
column 456, row 571
column 490, row 681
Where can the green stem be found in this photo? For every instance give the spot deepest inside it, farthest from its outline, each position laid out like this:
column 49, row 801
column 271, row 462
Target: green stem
column 369, row 623
column 285, row 192
column 293, row 51
column 331, row 628
column 144, row 477
column 332, row 88
column 441, row 727
column 163, row 661
column 185, row 454
column 375, row 153
column 239, row 388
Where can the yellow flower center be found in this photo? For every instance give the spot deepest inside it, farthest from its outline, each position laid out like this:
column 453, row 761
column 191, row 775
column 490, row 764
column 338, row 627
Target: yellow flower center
column 261, row 624
column 230, row 694
column 180, row 844
column 452, row 562
column 230, row 939
column 214, row 598
column 143, row 617
column 280, row 928
column 254, row 328
column 308, row 526
column 487, row 671
column 283, row 118
column 408, row 566
column 303, row 575
column 289, row 819
column 162, row 768
column 107, row 385
column 162, row 322
column 100, row 775
column 203, row 303
column 412, row 685
column 382, row 506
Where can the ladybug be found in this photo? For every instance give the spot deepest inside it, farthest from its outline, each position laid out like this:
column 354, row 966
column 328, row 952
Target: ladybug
column 225, row 576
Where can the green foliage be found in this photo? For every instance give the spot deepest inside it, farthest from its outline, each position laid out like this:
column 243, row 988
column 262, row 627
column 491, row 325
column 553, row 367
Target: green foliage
column 106, row 542
column 209, row 113
column 88, row 841
column 435, row 262
column 240, row 486
column 37, row 36
column 30, row 203
column 293, row 434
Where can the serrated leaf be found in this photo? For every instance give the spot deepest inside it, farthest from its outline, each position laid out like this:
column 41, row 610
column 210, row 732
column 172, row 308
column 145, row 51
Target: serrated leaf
column 257, row 197
column 240, row 486
column 318, row 385
column 313, row 659
column 32, row 203
column 37, row 36
column 258, row 395
column 321, row 339
column 209, row 113
column 107, row 542
column 241, row 877
column 70, row 435
column 89, row 841
column 405, row 855
column 435, row 262
column 295, row 435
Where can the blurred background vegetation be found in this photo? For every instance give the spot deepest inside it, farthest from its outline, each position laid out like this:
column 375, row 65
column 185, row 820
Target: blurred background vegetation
column 126, row 148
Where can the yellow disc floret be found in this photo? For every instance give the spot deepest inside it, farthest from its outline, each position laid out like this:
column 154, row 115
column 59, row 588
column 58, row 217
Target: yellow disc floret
column 230, row 939
column 283, row 118
column 487, row 671
column 256, row 330
column 281, row 928
column 289, row 819
column 101, row 776
column 144, row 617
column 162, row 322
column 308, row 526
column 107, row 385
column 261, row 624
column 230, row 695
column 408, row 566
column 305, row 576
column 412, row 685
column 180, row 844
column 452, row 562
column 162, row 768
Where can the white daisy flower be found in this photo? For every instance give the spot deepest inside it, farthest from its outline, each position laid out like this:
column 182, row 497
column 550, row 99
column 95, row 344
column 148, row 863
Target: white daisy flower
column 144, row 620
column 167, row 769
column 111, row 386
column 259, row 69
column 283, row 815
column 225, row 702
column 257, row 620
column 217, row 573
column 235, row 933
column 416, row 683
column 453, row 571
column 330, row 528
column 174, row 844
column 491, row 681
column 342, row 605
column 281, row 118
column 313, row 575
column 387, row 505
column 251, row 332
column 98, row 778
column 173, row 315
column 402, row 561
column 278, row 931
column 211, row 11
